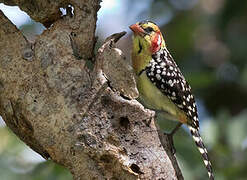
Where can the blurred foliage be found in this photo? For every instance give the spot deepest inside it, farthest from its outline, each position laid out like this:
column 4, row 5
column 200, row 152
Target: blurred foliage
column 208, row 41
column 17, row 161
column 207, row 38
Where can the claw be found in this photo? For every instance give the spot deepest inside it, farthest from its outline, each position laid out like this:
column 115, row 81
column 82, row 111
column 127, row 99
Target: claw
column 170, row 137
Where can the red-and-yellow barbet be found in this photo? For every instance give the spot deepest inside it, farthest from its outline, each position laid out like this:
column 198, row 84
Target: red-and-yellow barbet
column 161, row 84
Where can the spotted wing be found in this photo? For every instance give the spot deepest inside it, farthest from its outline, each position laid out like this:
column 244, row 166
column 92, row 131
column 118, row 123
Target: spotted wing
column 165, row 74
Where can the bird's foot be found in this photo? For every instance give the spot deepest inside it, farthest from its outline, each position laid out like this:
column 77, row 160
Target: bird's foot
column 171, row 143
column 170, row 137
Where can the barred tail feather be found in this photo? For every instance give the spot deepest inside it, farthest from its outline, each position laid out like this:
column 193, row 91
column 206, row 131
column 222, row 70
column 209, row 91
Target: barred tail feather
column 200, row 145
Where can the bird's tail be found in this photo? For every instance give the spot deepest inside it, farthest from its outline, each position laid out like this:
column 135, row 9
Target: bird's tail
column 200, row 145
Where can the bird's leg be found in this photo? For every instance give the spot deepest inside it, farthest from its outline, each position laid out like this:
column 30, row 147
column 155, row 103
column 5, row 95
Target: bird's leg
column 176, row 128
column 170, row 137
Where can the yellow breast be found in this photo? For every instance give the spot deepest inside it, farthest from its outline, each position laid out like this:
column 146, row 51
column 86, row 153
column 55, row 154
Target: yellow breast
column 153, row 98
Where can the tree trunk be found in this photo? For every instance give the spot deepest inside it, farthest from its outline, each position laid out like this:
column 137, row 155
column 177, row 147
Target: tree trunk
column 86, row 120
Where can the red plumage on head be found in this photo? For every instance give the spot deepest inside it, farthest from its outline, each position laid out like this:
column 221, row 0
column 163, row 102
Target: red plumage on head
column 156, row 43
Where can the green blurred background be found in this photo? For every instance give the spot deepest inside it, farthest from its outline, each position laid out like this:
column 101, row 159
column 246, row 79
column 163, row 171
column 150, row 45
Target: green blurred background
column 208, row 39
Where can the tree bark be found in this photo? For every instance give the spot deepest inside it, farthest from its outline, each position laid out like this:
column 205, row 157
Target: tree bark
column 86, row 120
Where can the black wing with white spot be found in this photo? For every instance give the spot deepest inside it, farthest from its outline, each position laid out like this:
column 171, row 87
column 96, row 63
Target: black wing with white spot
column 165, row 74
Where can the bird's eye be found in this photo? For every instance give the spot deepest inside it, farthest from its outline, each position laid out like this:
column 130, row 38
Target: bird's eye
column 149, row 29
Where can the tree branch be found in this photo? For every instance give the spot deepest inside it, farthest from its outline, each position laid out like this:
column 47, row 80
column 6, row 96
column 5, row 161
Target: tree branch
column 86, row 121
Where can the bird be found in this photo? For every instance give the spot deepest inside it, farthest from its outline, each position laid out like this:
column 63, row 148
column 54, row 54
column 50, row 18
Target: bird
column 161, row 84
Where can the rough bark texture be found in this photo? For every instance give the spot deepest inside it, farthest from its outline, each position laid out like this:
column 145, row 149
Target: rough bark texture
column 87, row 121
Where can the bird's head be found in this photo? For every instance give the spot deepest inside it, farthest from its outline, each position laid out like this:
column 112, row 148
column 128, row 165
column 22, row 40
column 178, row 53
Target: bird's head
column 147, row 40
column 147, row 36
